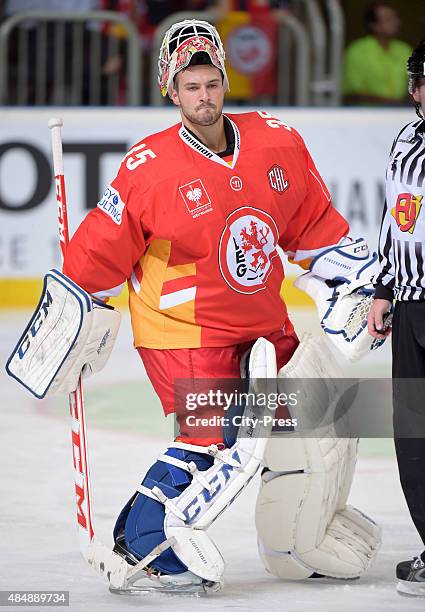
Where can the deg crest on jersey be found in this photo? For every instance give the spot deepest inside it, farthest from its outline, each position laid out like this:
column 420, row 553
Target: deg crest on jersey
column 247, row 248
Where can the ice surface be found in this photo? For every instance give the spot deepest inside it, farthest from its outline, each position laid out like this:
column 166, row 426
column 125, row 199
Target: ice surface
column 38, row 539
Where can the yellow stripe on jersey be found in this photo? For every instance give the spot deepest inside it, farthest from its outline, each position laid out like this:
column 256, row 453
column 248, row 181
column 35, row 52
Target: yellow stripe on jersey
column 180, row 271
column 172, row 326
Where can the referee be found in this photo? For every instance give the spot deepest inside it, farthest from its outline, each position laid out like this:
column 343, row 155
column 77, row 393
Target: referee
column 402, row 278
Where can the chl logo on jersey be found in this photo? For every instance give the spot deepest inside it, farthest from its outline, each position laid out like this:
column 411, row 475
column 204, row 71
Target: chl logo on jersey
column 277, row 179
column 406, row 211
column 196, row 198
column 247, row 249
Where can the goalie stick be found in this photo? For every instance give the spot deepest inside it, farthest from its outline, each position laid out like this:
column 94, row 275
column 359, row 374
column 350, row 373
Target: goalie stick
column 100, row 557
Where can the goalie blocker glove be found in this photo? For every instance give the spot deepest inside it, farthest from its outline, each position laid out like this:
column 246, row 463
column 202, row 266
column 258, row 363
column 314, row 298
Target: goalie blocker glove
column 340, row 283
column 69, row 333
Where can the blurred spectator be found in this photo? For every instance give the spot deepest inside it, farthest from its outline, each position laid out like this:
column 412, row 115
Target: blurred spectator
column 375, row 65
column 147, row 15
column 253, row 5
column 11, row 7
column 36, row 93
column 158, row 10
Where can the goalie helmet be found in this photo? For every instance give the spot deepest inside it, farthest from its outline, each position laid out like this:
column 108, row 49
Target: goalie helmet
column 416, row 71
column 181, row 42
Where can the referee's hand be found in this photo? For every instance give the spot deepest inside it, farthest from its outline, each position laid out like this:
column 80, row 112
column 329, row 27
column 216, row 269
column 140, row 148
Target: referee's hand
column 375, row 320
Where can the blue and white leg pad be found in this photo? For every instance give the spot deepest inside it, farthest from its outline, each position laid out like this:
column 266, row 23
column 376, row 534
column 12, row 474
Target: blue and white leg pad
column 190, row 486
column 143, row 515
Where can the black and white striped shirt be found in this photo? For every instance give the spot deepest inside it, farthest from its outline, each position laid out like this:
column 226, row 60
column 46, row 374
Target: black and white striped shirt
column 402, row 235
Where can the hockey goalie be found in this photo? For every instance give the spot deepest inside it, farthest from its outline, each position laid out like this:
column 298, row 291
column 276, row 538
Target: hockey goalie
column 193, row 222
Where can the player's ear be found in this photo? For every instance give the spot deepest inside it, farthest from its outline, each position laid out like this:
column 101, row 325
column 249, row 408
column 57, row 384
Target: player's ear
column 174, row 95
column 415, row 95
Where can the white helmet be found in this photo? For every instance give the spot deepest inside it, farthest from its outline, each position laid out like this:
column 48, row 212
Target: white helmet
column 180, row 44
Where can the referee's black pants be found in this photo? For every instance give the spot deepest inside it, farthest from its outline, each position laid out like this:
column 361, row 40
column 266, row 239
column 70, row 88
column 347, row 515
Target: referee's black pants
column 408, row 348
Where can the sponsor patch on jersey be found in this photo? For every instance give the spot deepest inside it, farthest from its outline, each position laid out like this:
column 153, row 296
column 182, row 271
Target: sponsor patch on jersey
column 406, row 211
column 247, row 249
column 277, row 179
column 196, row 198
column 112, row 204
column 236, row 183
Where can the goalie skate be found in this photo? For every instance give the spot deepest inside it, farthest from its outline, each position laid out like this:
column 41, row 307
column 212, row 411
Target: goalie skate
column 147, row 581
column 129, row 576
column 140, row 578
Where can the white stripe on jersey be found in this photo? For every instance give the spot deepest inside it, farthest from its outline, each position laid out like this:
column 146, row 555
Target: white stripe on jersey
column 176, row 298
column 135, row 283
column 322, row 186
column 108, row 293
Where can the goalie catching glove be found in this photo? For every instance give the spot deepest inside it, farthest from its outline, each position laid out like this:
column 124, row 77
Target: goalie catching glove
column 69, row 333
column 340, row 283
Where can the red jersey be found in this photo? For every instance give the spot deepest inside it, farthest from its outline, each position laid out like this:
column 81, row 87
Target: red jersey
column 197, row 237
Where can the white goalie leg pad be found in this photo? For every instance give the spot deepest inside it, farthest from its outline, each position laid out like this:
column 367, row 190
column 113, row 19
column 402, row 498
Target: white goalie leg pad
column 69, row 332
column 211, row 491
column 340, row 283
column 303, row 522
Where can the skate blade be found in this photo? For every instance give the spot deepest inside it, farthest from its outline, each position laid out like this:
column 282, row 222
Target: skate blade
column 196, row 590
column 411, row 589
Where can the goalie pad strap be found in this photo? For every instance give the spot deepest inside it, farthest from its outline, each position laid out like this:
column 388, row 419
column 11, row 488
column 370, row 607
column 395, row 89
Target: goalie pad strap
column 191, row 468
column 68, row 331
